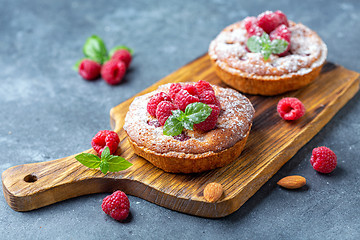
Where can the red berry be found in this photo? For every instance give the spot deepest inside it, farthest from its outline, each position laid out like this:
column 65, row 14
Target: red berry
column 174, row 89
column 282, row 18
column 323, row 160
column 268, row 21
column 116, row 205
column 208, row 97
column 290, row 108
column 89, row 69
column 163, row 111
column 184, row 98
column 252, row 28
column 105, row 138
column 122, row 55
column 155, row 100
column 202, row 86
column 113, row 71
column 191, row 89
column 281, row 32
column 210, row 121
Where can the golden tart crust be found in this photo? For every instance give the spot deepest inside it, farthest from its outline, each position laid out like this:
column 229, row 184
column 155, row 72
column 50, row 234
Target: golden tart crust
column 249, row 73
column 203, row 150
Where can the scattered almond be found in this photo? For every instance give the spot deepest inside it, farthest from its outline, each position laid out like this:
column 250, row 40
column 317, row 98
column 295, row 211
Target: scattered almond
column 292, row 182
column 213, row 191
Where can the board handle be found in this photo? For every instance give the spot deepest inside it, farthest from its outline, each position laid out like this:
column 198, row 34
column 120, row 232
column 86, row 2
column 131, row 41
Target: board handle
column 31, row 186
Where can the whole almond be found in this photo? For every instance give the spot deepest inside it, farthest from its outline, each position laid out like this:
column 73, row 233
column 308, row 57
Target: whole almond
column 213, row 191
column 292, row 182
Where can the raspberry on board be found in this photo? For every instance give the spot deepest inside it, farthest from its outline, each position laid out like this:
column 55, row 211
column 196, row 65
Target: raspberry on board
column 122, row 55
column 174, row 89
column 113, row 71
column 105, row 138
column 116, row 205
column 268, row 21
column 252, row 28
column 323, row 160
column 290, row 108
column 184, row 98
column 202, row 86
column 210, row 121
column 155, row 100
column 163, row 111
column 89, row 69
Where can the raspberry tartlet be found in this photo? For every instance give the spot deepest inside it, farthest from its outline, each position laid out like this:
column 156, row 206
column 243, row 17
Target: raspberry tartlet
column 298, row 65
column 213, row 143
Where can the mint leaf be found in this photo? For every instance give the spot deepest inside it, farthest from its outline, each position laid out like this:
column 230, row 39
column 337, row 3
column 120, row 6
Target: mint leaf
column 104, row 167
column 278, row 46
column 95, row 49
column 197, row 112
column 188, row 124
column 114, row 49
column 254, row 44
column 89, row 160
column 105, row 153
column 77, row 64
column 180, row 115
column 173, row 126
column 117, row 163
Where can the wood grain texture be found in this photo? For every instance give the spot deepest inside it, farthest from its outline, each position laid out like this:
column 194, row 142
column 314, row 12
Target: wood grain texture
column 272, row 142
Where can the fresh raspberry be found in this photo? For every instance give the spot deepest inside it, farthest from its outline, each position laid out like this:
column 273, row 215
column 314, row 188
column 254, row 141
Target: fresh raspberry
column 282, row 18
column 202, row 86
column 105, row 138
column 282, row 32
column 210, row 121
column 208, row 97
column 116, row 205
column 290, row 108
column 155, row 100
column 252, row 28
column 323, row 160
column 113, row 71
column 184, row 98
column 191, row 89
column 163, row 111
column 89, row 69
column 174, row 89
column 268, row 21
column 122, row 55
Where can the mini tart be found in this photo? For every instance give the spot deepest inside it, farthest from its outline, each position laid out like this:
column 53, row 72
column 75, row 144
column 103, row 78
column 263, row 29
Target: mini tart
column 249, row 73
column 200, row 151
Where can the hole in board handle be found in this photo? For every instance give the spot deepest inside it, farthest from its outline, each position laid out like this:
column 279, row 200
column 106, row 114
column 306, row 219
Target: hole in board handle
column 30, row 178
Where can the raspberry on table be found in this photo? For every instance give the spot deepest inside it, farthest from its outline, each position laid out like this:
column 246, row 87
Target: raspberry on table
column 163, row 111
column 89, row 69
column 202, row 86
column 252, row 28
column 105, row 138
column 113, row 71
column 116, row 205
column 155, row 100
column 290, row 108
column 210, row 121
column 122, row 55
column 184, row 98
column 191, row 89
column 268, row 21
column 174, row 89
column 323, row 159
column 208, row 97
column 282, row 32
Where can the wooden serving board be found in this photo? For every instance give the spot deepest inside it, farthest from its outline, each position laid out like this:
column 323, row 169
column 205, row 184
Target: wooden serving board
column 272, row 142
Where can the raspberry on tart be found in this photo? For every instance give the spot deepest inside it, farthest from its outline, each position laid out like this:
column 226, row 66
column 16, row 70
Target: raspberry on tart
column 213, row 143
column 248, row 72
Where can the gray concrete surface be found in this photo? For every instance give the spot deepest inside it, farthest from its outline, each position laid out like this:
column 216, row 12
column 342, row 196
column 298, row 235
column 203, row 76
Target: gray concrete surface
column 47, row 112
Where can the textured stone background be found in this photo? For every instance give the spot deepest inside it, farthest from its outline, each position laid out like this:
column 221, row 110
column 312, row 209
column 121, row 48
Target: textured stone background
column 47, row 112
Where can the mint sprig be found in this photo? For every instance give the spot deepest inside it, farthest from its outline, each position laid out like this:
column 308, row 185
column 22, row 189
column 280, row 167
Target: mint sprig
column 95, row 49
column 265, row 46
column 107, row 162
column 194, row 113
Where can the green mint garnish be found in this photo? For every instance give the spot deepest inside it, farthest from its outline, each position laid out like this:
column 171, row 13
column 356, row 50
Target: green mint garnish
column 194, row 113
column 107, row 162
column 265, row 46
column 95, row 49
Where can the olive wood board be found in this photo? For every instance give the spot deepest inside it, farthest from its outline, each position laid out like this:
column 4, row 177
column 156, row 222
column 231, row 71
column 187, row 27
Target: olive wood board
column 272, row 142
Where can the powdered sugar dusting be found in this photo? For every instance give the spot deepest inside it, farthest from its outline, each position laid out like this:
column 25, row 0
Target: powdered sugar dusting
column 233, row 124
column 307, row 51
